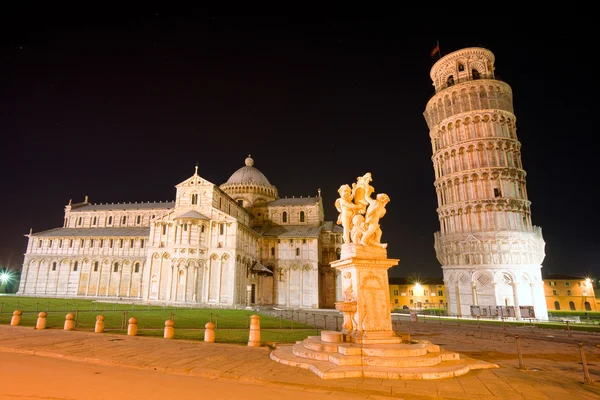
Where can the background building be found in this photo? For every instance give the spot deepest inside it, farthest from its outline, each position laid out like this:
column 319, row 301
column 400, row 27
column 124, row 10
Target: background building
column 231, row 245
column 416, row 294
column 569, row 293
column 490, row 251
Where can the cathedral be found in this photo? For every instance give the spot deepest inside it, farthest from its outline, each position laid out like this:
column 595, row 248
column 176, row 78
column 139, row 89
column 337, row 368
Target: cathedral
column 234, row 245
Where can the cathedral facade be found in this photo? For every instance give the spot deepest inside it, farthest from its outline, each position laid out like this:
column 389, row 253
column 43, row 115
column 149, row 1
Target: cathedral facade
column 490, row 251
column 233, row 245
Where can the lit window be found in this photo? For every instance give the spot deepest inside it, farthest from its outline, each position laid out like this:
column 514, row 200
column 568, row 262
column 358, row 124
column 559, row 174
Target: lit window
column 284, row 217
column 301, row 216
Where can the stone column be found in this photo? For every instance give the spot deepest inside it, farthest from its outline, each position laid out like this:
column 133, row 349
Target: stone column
column 368, row 286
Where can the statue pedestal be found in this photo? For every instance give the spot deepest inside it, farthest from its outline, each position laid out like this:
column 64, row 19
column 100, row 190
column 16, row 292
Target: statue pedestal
column 364, row 273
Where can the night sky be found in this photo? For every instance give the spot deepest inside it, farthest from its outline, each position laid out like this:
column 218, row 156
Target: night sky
column 121, row 107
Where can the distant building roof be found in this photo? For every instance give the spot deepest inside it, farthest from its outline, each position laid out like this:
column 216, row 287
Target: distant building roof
column 412, row 280
column 293, row 231
column 134, row 231
column 191, row 214
column 84, row 207
column 294, row 201
column 564, row 276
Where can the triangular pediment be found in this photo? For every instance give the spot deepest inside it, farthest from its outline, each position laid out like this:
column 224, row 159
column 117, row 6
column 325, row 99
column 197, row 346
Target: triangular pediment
column 194, row 181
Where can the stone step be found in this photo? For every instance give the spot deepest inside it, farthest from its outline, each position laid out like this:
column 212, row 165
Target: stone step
column 300, row 350
column 315, row 343
column 329, row 370
column 386, row 350
column 425, row 360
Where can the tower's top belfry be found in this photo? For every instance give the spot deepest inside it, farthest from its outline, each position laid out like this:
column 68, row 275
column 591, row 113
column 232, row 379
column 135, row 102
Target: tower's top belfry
column 463, row 65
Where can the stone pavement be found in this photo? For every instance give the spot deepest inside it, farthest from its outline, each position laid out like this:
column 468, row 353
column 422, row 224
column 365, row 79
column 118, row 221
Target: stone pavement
column 551, row 365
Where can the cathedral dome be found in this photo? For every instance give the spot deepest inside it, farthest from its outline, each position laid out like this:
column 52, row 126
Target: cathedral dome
column 248, row 174
column 249, row 185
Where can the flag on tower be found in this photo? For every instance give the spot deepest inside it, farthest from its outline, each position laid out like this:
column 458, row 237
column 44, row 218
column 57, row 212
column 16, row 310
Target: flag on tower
column 436, row 49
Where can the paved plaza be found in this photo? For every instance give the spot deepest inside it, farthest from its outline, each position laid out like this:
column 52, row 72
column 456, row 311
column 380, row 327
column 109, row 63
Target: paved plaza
column 550, row 365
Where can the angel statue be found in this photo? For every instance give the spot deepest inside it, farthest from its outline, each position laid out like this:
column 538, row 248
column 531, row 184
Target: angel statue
column 360, row 213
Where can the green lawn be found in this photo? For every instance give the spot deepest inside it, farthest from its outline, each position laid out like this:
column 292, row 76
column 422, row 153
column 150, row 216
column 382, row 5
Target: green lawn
column 231, row 326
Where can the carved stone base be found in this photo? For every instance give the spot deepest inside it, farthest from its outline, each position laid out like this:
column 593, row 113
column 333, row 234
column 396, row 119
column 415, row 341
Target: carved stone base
column 353, row 250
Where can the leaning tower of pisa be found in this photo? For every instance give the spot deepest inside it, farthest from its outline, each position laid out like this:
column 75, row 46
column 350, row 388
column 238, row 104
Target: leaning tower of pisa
column 490, row 251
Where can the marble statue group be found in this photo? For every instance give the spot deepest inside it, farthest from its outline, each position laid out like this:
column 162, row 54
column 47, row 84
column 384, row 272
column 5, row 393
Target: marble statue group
column 360, row 213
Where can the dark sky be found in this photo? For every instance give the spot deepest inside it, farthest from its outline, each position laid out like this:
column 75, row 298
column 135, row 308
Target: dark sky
column 121, row 107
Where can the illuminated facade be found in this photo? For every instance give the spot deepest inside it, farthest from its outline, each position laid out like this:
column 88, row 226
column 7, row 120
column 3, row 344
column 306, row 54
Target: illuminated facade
column 230, row 245
column 408, row 293
column 490, row 251
column 569, row 293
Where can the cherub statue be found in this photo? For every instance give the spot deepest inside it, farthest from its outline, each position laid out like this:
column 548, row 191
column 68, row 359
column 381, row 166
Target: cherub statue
column 347, row 210
column 358, row 228
column 362, row 189
column 375, row 211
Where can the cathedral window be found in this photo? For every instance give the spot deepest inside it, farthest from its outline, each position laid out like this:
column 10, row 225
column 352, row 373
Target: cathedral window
column 461, row 67
column 303, row 241
column 120, row 243
column 450, row 80
column 164, row 229
column 95, row 266
column 75, row 265
column 136, row 268
column 221, row 229
column 141, row 243
column 202, row 228
column 79, row 221
column 109, row 220
column 475, row 74
column 497, row 192
column 195, row 198
column 70, row 242
column 297, row 251
column 54, row 266
column 116, row 267
column 39, row 243
column 101, row 243
column 301, row 216
column 92, row 243
column 284, row 217
column 124, row 220
column 131, row 243
column 81, row 243
column 220, row 202
column 94, row 220
column 65, row 223
column 185, row 226
column 50, row 243
column 272, row 251
column 240, row 203
column 138, row 219
column 60, row 243
column 111, row 243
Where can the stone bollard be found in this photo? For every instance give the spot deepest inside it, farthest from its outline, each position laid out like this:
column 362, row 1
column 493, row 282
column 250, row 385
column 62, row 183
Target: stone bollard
column 69, row 322
column 16, row 318
column 132, row 328
column 254, row 339
column 209, row 332
column 169, row 329
column 41, row 321
column 99, row 328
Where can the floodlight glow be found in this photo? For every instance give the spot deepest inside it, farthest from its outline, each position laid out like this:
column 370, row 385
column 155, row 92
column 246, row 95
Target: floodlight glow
column 4, row 277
